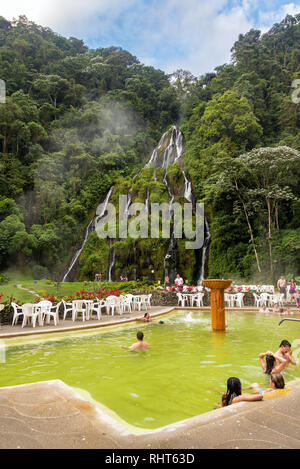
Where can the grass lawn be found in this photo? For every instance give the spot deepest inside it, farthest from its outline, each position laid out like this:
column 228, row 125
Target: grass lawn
column 64, row 289
column 20, row 296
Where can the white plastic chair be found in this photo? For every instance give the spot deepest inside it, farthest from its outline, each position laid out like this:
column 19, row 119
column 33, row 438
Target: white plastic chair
column 52, row 314
column 112, row 302
column 264, row 298
column 144, row 302
column 125, row 303
column 181, row 299
column 97, row 306
column 16, row 313
column 149, row 297
column 273, row 299
column 45, row 306
column 31, row 311
column 257, row 299
column 198, row 299
column 141, row 302
column 79, row 307
column 68, row 308
column 239, row 299
column 228, row 298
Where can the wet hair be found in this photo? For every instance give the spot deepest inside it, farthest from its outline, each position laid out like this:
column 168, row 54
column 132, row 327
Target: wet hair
column 145, row 315
column 234, row 389
column 285, row 343
column 161, row 322
column 270, row 361
column 278, row 380
column 140, row 335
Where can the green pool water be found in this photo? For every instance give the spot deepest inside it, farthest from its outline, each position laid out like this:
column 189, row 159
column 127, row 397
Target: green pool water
column 183, row 373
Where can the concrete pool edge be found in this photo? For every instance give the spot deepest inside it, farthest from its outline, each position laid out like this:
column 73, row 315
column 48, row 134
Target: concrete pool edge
column 90, row 426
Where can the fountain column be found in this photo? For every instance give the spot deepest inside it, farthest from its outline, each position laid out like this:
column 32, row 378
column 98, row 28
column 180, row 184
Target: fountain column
column 217, row 288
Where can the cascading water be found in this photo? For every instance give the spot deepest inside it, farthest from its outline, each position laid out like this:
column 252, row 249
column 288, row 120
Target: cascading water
column 187, row 188
column 170, row 150
column 100, row 211
column 204, row 252
column 73, row 262
column 112, row 255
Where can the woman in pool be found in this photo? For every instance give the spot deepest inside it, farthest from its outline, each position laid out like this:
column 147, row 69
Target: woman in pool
column 272, row 363
column 233, row 395
column 276, row 382
column 146, row 318
column 276, row 308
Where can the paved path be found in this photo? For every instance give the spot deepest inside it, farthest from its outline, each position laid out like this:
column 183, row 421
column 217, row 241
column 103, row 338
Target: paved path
column 29, row 291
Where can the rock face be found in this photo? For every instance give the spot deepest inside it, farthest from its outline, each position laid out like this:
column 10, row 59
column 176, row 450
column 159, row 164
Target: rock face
column 162, row 180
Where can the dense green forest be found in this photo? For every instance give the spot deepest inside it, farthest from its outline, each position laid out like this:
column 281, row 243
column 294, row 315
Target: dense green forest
column 77, row 120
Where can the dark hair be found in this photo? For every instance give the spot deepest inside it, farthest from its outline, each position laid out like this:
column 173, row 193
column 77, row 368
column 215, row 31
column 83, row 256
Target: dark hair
column 160, row 322
column 140, row 335
column 234, row 388
column 278, row 380
column 285, row 343
column 145, row 315
column 270, row 361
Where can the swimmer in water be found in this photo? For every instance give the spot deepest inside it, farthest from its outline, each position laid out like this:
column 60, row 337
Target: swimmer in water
column 140, row 345
column 166, row 322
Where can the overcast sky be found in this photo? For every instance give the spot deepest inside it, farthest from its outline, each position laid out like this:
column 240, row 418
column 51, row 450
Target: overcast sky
column 194, row 35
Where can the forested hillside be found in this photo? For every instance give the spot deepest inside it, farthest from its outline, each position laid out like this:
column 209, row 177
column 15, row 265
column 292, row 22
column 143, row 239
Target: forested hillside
column 73, row 121
column 76, row 120
column 252, row 198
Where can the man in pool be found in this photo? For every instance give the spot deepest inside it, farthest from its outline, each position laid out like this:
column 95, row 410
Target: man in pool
column 140, row 345
column 285, row 352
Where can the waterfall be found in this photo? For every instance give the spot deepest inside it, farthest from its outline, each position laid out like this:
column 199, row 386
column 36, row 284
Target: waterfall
column 129, row 200
column 187, row 188
column 77, row 254
column 100, row 211
column 172, row 154
column 204, row 252
column 147, row 203
column 111, row 264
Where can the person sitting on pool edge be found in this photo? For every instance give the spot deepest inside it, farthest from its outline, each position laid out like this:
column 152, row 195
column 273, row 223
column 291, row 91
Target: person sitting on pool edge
column 233, row 395
column 271, row 363
column 140, row 345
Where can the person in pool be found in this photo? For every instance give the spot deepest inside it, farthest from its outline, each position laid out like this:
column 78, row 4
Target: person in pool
column 145, row 318
column 166, row 322
column 271, row 363
column 233, row 395
column 276, row 382
column 140, row 345
column 285, row 352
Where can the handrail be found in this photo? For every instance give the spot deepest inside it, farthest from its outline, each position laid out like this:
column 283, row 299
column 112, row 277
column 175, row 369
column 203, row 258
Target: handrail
column 288, row 319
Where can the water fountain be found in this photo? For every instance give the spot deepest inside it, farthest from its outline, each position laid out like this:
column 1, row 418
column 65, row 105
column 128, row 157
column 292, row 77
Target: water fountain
column 217, row 302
